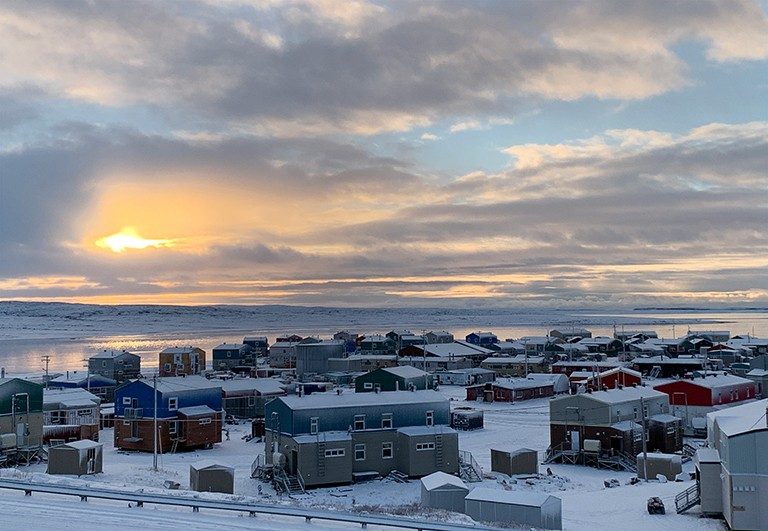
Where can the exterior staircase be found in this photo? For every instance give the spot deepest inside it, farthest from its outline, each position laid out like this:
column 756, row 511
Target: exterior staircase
column 690, row 497
column 469, row 469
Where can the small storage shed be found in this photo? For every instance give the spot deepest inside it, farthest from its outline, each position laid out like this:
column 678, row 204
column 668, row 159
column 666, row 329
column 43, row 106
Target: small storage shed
column 466, row 418
column 76, row 458
column 668, row 465
column 665, row 433
column 207, row 476
column 535, row 509
column 443, row 491
column 522, row 461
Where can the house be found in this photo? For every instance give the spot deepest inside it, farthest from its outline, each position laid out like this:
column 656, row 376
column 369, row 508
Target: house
column 602, row 345
column 349, row 339
column 181, row 361
column 760, row 377
column 471, row 376
column 482, row 338
column 96, row 384
column 613, row 418
column 402, row 378
column 695, row 397
column 312, row 357
column 259, row 345
column 244, row 398
column 445, row 355
column 560, row 383
column 361, row 362
column 642, row 335
column 228, row 356
column 522, row 508
column 189, row 412
column 510, row 390
column 608, row 379
column 335, row 438
column 70, row 415
column 569, row 367
column 732, row 473
column 507, row 347
column 282, row 354
column 21, row 413
column 540, row 344
column 76, row 458
column 377, row 344
column 404, row 338
column 443, row 491
column 519, row 365
column 667, row 367
column 568, row 334
column 293, row 338
column 118, row 365
column 521, row 461
column 711, row 335
column 438, row 337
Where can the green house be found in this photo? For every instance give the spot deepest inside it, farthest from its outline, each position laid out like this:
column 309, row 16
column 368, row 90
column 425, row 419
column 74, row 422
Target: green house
column 402, row 378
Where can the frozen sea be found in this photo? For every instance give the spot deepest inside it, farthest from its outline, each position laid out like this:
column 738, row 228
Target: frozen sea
column 70, row 333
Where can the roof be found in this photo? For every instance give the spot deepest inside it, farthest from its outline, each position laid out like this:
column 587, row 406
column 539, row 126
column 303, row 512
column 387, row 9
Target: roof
column 405, row 371
column 80, row 377
column 255, row 338
column 333, row 400
column 520, row 358
column 742, row 419
column 470, row 370
column 72, row 397
column 626, row 425
column 665, row 417
column 262, row 386
column 175, row 384
column 229, row 346
column 712, row 381
column 326, row 436
column 707, row 455
column 453, row 349
column 83, row 444
column 205, row 464
column 757, row 372
column 626, row 394
column 509, row 497
column 665, row 360
column 516, row 384
column 482, row 334
column 194, row 411
column 179, row 350
column 441, row 479
column 425, row 430
column 589, row 363
column 283, row 344
column 109, row 354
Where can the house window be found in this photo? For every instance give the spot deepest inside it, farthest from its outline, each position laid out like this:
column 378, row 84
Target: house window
column 635, row 410
column 313, row 425
column 126, row 423
column 167, row 367
column 335, row 452
column 359, row 452
column 173, row 427
column 126, row 400
column 173, row 403
column 251, row 400
column 205, row 421
column 368, row 385
column 430, row 418
column 103, row 364
column 386, row 421
column 359, row 422
column 423, row 447
column 386, row 450
column 84, row 412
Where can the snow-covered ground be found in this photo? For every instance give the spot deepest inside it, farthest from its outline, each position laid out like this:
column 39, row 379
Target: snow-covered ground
column 586, row 502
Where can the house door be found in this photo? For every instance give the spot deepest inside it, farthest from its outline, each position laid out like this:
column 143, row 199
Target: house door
column 617, row 444
column 21, row 434
column 91, row 461
column 135, row 429
column 293, row 462
column 575, row 441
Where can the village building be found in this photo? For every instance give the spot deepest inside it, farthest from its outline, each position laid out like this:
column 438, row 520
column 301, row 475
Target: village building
column 696, row 397
column 507, row 347
column 336, row 438
column 438, row 337
column 569, row 367
column 510, row 390
column 470, row 376
column 603, row 428
column 568, row 334
column 21, row 414
column 401, row 378
column 714, row 336
column 349, row 339
column 259, row 345
column 482, row 339
column 628, row 335
column 207, row 476
column 244, row 398
column 189, row 413
column 520, row 461
column 760, row 377
column 78, row 458
column 443, row 491
column 521, row 508
column 181, row 361
column 292, row 338
column 312, row 357
column 519, row 365
column 118, row 365
column 229, row 356
column 282, row 354
column 667, row 367
column 560, row 383
column 602, row 345
column 377, row 344
column 362, row 362
column 96, row 384
column 540, row 344
column 732, row 473
column 444, row 356
column 70, row 415
column 608, row 379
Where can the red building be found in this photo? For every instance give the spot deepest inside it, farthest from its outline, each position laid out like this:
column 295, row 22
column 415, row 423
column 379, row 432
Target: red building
column 712, row 390
column 610, row 379
column 510, row 390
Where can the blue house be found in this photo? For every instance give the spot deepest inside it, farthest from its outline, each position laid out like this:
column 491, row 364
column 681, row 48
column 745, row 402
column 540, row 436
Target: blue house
column 97, row 384
column 482, row 338
column 189, row 412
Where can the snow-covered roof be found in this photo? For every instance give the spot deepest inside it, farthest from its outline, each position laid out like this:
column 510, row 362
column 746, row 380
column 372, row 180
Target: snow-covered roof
column 405, row 371
column 326, row 436
column 470, row 370
column 742, row 419
column 519, row 384
column 207, row 464
column 178, row 350
column 441, row 479
column 707, row 455
column 72, row 397
column 509, row 497
column 414, row 431
column 80, row 377
column 229, row 346
column 255, row 338
column 520, row 358
column 757, row 372
column 109, row 354
column 657, row 456
column 83, row 444
column 170, row 384
column 333, row 400
column 194, row 411
column 712, row 381
column 626, row 425
column 598, row 364
column 547, row 377
column 665, row 360
column 599, row 340
column 264, row 386
column 626, row 394
column 664, row 417
column 284, row 344
column 454, row 349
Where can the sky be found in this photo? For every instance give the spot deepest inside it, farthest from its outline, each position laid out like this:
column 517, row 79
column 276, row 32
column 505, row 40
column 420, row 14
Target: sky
column 314, row 152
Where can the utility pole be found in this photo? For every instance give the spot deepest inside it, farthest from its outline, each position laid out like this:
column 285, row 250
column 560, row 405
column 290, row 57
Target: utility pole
column 645, row 441
column 46, row 359
column 154, row 425
column 87, row 365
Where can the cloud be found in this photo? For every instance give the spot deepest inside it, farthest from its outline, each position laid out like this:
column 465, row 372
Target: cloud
column 429, row 137
column 467, row 125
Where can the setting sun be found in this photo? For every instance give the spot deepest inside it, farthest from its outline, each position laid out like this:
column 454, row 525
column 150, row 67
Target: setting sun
column 128, row 238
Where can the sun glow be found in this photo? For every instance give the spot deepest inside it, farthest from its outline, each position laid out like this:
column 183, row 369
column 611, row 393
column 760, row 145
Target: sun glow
column 128, row 238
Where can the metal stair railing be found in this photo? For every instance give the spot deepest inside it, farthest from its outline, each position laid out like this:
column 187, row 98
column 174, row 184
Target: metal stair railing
column 688, row 498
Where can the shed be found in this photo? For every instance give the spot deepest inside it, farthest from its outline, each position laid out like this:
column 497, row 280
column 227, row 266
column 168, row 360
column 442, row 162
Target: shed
column 535, row 509
column 443, row 491
column 76, row 458
column 668, row 465
column 207, row 476
column 466, row 418
column 522, row 461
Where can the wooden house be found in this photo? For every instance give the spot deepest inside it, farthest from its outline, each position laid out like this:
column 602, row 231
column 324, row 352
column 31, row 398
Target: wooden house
column 70, row 415
column 230, row 356
column 259, row 345
column 608, row 379
column 510, row 390
column 96, row 384
column 118, row 365
column 519, row 365
column 181, row 361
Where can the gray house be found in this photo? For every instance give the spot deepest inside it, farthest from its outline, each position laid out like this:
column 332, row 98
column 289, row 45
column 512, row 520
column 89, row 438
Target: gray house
column 119, row 365
column 313, row 357
column 334, row 438
column 282, row 354
column 227, row 356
